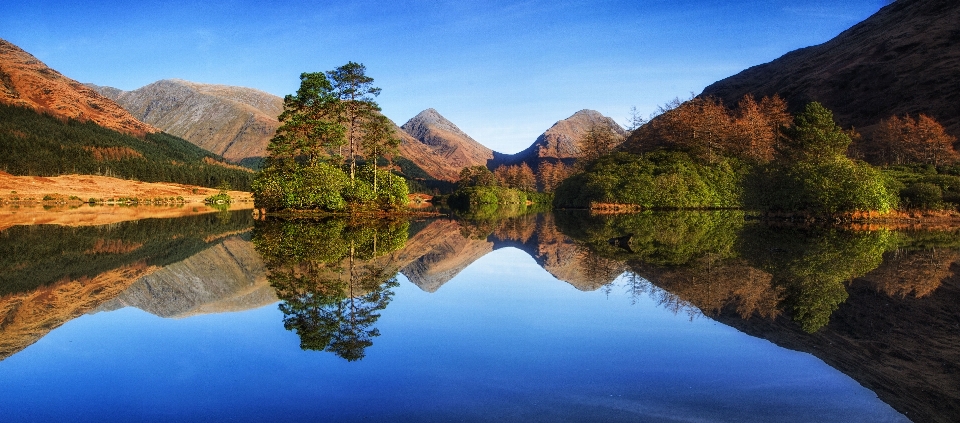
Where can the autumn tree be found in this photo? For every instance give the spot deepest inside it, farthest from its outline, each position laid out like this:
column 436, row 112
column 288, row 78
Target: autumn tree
column 517, row 176
column 597, row 141
column 550, row 175
column 757, row 127
column 914, row 140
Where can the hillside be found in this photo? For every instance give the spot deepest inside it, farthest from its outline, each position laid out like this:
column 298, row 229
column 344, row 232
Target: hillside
column 447, row 140
column 903, row 59
column 234, row 122
column 27, row 82
column 560, row 141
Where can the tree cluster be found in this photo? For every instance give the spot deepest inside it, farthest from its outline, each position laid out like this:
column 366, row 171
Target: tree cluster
column 550, row 174
column 39, row 145
column 708, row 130
column 328, row 130
column 910, row 140
column 519, row 177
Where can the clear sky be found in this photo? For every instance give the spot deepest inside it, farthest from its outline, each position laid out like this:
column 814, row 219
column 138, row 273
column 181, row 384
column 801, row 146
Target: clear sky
column 502, row 71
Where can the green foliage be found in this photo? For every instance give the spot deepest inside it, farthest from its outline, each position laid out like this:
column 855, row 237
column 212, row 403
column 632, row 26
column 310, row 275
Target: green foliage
column 222, row 197
column 40, row 145
column 810, row 265
column 825, row 187
column 922, row 195
column 468, row 198
column 813, row 175
column 660, row 238
column 814, row 136
column 670, row 180
column 813, row 264
column 925, row 187
column 329, row 279
column 327, row 188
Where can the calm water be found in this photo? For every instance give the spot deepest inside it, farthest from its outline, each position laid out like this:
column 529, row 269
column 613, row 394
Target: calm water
column 675, row 317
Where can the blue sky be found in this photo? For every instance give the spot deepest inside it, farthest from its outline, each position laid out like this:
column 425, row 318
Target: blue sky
column 502, row 71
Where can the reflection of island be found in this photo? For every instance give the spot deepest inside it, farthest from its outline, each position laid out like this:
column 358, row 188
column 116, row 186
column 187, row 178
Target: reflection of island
column 51, row 274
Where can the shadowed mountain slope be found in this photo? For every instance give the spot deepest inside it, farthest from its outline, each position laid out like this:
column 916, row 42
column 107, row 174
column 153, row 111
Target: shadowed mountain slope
column 27, row 82
column 903, row 59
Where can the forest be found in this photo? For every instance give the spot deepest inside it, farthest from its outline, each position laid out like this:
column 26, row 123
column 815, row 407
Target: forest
column 699, row 154
column 34, row 144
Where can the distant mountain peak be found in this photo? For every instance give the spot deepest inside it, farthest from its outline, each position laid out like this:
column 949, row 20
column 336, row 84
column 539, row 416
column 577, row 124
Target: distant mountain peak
column 560, row 141
column 234, row 122
column 445, row 139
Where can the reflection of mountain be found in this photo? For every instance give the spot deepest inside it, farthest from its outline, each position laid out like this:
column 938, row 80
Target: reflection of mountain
column 226, row 277
column 906, row 350
column 52, row 274
column 439, row 252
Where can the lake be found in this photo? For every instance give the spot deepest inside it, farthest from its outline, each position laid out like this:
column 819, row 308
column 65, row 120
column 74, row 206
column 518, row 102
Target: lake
column 663, row 317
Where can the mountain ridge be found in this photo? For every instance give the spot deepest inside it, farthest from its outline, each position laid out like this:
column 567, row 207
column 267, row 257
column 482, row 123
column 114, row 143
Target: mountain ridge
column 904, row 59
column 25, row 81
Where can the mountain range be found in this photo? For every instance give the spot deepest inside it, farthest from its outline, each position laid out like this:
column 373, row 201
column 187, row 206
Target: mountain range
column 903, row 59
column 238, row 122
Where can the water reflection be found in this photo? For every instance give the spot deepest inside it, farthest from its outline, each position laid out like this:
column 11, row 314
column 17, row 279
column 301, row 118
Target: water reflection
column 878, row 304
column 329, row 279
column 50, row 274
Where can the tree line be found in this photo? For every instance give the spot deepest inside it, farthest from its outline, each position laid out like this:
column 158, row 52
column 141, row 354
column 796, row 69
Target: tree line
column 701, row 154
column 34, row 144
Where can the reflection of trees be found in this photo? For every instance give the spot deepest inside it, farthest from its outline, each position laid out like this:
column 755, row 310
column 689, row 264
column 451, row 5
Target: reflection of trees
column 918, row 266
column 714, row 261
column 812, row 264
column 332, row 278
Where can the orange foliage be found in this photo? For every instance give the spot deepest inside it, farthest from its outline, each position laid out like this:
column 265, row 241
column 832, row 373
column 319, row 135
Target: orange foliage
column 517, row 176
column 908, row 140
column 708, row 130
column 912, row 272
column 550, row 175
column 101, row 154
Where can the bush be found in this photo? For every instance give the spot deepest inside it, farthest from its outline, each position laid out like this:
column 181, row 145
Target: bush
column 922, row 195
column 822, row 187
column 325, row 187
column 668, row 180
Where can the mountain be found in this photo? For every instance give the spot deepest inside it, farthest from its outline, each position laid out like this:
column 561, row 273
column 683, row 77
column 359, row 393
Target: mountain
column 559, row 143
column 903, row 348
column 425, row 158
column 903, row 59
column 226, row 277
column 447, row 140
column 27, row 82
column 234, row 122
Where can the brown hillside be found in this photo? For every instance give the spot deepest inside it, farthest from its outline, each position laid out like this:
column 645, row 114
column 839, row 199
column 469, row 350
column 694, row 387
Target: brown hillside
column 447, row 140
column 422, row 155
column 234, row 122
column 26, row 81
column 903, row 59
column 560, row 141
